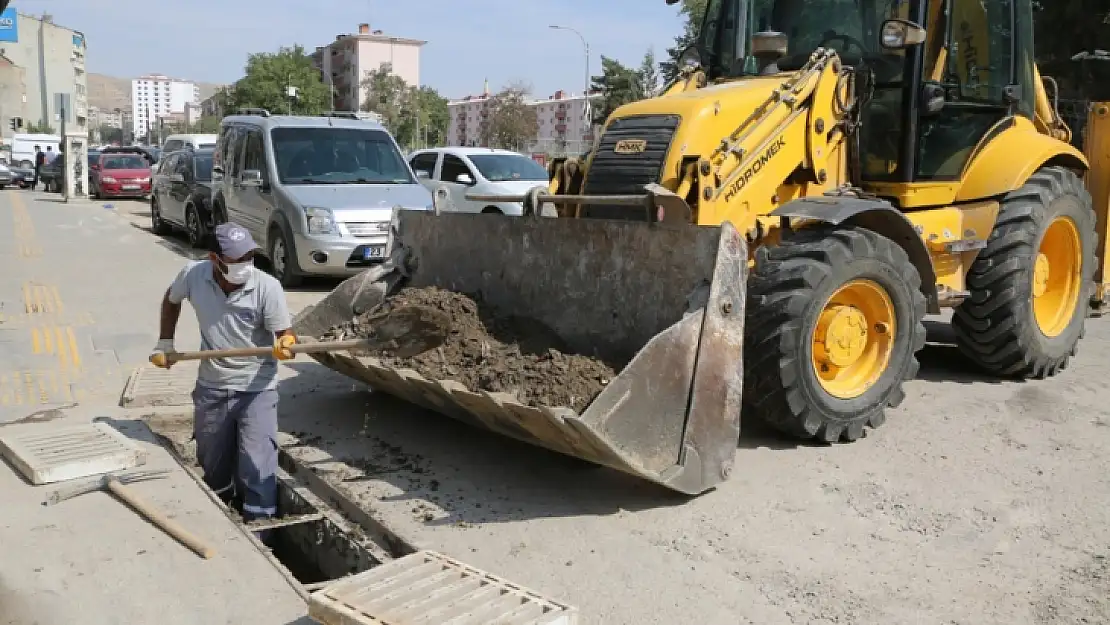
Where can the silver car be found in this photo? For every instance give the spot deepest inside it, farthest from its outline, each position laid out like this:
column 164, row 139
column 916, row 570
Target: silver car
column 317, row 193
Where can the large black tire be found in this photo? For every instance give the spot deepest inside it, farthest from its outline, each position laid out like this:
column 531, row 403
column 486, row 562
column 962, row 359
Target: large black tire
column 787, row 292
column 283, row 258
column 996, row 327
column 157, row 224
column 195, row 228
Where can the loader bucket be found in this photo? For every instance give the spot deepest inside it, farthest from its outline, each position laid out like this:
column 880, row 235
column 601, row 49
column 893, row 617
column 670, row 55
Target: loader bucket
column 664, row 302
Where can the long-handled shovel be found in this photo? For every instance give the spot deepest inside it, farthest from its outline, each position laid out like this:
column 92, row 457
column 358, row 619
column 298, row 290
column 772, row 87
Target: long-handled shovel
column 404, row 331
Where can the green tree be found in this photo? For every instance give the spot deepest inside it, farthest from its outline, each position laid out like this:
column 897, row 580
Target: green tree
column 110, row 134
column 512, row 123
column 415, row 116
column 268, row 77
column 207, row 124
column 649, row 74
column 617, row 84
column 40, row 128
column 691, row 12
column 426, row 120
column 388, row 95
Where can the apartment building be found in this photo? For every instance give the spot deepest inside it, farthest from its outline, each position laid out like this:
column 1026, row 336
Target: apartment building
column 13, row 94
column 347, row 61
column 112, row 118
column 155, row 97
column 52, row 59
column 563, row 125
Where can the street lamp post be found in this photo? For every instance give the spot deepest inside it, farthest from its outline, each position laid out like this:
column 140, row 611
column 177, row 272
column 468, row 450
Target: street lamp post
column 586, row 87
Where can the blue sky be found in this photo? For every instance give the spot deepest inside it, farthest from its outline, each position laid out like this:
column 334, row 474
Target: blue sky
column 468, row 40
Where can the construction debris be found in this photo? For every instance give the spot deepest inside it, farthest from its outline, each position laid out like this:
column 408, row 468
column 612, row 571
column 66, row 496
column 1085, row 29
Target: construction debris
column 489, row 352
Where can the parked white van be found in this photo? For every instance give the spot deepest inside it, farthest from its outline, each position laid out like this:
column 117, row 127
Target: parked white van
column 174, row 143
column 23, row 148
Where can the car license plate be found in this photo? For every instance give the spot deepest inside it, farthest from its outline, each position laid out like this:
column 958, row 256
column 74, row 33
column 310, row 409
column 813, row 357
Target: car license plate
column 130, row 187
column 373, row 252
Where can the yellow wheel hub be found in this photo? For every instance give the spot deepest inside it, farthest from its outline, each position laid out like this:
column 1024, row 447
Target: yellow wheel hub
column 1057, row 277
column 854, row 339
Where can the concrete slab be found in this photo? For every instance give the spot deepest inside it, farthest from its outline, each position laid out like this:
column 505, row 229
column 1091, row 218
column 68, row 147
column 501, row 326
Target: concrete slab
column 150, row 386
column 46, row 453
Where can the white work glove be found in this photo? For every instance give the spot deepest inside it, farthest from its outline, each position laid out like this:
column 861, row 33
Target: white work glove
column 158, row 357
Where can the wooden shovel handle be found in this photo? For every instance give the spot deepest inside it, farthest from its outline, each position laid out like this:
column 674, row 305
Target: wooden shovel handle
column 160, row 520
column 247, row 352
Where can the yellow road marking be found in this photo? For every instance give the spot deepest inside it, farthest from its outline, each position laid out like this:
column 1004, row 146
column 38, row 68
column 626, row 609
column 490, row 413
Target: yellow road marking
column 73, row 351
column 49, row 341
column 41, row 298
column 56, row 300
column 63, row 356
column 36, row 340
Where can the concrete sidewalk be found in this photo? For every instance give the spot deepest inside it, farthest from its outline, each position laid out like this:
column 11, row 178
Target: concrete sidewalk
column 78, row 308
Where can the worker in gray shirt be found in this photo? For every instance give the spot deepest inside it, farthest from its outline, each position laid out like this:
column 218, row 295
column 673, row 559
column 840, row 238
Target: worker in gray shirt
column 235, row 399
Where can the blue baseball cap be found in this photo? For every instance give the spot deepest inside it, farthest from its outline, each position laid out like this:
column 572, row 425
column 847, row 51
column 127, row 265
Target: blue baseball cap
column 234, row 241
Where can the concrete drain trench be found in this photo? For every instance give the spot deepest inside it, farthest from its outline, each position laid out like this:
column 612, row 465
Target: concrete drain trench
column 320, row 536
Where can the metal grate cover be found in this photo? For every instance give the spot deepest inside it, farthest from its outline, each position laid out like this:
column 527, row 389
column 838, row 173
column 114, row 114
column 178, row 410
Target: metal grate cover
column 45, row 456
column 150, row 386
column 428, row 588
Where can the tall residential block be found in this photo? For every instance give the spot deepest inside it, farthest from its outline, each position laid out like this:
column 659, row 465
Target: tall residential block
column 346, row 62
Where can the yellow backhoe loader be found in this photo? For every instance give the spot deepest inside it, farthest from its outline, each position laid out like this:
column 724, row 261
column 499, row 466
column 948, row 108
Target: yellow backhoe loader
column 772, row 230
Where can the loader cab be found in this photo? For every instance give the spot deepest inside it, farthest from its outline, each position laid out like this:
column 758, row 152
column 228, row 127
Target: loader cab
column 926, row 108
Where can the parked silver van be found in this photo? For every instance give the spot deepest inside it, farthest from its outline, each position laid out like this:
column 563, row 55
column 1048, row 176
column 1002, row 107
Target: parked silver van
column 317, row 193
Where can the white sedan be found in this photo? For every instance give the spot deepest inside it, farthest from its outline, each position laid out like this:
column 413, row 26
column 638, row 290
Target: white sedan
column 478, row 171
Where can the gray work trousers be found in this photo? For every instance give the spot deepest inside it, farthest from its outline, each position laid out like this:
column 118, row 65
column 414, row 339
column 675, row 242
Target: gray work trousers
column 236, row 434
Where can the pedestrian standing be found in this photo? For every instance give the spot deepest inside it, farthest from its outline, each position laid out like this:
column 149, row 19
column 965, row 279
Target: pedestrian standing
column 235, row 399
column 50, row 155
column 40, row 160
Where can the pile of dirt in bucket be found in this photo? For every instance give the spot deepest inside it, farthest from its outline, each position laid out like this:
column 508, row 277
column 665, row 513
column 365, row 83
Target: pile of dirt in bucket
column 485, row 351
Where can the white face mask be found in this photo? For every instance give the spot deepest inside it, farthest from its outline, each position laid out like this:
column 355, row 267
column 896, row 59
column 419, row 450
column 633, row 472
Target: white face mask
column 238, row 273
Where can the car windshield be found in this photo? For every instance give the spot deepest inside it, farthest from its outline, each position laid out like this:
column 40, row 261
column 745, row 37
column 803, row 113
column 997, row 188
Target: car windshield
column 508, row 167
column 94, row 157
column 337, row 156
column 202, row 166
column 124, row 162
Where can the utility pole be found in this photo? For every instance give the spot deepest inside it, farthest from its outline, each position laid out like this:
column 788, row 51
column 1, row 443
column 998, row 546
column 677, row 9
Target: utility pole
column 67, row 159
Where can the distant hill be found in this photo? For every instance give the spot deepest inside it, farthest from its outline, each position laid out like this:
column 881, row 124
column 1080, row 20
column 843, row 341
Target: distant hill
column 109, row 92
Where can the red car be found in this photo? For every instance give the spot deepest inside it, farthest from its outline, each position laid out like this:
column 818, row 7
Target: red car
column 120, row 174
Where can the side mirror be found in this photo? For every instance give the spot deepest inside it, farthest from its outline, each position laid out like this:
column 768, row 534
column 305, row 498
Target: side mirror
column 424, row 175
column 251, row 178
column 464, row 179
column 899, row 34
column 932, row 98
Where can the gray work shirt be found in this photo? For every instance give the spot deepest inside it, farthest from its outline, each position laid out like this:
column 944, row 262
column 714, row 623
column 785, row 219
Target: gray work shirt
column 247, row 317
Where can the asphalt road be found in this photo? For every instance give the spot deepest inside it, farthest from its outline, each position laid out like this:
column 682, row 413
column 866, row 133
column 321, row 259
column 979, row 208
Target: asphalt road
column 979, row 501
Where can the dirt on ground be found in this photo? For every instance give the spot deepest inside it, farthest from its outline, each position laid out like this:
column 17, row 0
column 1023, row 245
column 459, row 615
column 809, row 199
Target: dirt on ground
column 491, row 352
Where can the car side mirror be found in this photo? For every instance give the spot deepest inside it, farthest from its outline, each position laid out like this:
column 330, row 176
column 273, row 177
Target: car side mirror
column 464, row 179
column 899, row 34
column 251, row 178
column 932, row 98
column 420, row 173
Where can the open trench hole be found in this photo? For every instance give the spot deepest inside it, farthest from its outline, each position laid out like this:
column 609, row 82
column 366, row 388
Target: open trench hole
column 309, row 538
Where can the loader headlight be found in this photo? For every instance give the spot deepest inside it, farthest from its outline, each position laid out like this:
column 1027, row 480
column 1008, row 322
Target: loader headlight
column 320, row 221
column 690, row 58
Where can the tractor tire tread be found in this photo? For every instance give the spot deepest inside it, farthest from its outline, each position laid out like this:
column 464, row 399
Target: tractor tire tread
column 781, row 289
column 994, row 327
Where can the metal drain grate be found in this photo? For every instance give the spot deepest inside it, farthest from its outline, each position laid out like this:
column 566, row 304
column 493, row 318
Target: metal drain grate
column 428, row 588
column 150, row 386
column 45, row 456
